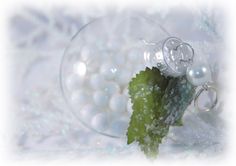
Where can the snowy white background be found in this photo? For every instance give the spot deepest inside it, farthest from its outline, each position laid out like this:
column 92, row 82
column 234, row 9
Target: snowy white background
column 43, row 124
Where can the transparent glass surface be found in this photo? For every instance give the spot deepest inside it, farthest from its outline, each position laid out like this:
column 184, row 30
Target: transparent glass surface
column 98, row 65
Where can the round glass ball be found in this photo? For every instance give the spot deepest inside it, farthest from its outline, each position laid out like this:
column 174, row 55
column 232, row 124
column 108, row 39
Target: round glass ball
column 97, row 66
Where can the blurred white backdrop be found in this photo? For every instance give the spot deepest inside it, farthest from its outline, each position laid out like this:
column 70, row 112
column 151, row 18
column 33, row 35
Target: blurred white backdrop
column 43, row 124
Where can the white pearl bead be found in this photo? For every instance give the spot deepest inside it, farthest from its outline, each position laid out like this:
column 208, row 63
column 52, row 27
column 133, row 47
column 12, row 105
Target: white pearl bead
column 80, row 68
column 112, row 88
column 123, row 77
column 97, row 81
column 100, row 122
column 119, row 127
column 100, row 98
column 74, row 81
column 85, row 53
column 118, row 103
column 79, row 97
column 125, row 91
column 87, row 112
column 198, row 74
column 108, row 70
column 119, row 60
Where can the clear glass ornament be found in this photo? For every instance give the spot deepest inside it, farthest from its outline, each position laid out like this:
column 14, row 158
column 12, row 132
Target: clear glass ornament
column 98, row 65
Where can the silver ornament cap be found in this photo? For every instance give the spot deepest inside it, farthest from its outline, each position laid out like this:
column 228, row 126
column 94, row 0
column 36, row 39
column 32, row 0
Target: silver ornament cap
column 178, row 56
column 172, row 56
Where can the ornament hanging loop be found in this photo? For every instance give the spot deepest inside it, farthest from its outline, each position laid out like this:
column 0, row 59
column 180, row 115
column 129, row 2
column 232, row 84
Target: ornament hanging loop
column 205, row 87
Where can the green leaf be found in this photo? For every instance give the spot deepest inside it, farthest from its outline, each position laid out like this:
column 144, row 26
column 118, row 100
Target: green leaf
column 158, row 102
column 178, row 122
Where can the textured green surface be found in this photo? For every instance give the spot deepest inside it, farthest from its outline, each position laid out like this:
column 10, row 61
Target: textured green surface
column 158, row 102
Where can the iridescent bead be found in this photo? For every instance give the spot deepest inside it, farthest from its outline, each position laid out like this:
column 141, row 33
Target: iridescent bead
column 198, row 74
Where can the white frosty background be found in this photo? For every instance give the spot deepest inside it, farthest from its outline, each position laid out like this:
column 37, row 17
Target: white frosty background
column 44, row 126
